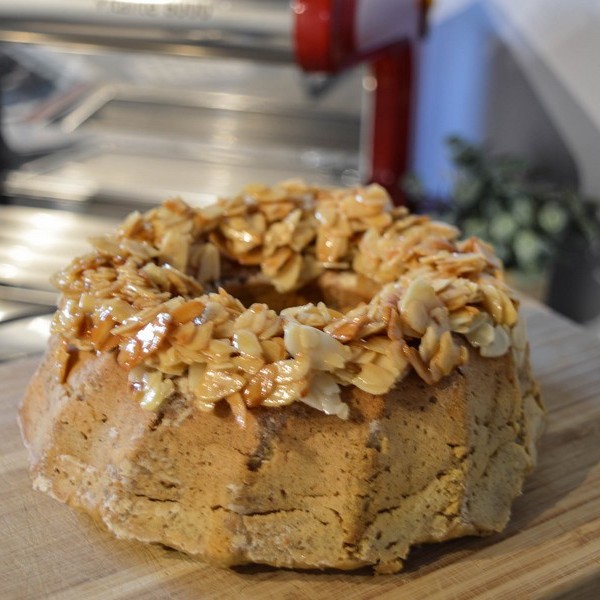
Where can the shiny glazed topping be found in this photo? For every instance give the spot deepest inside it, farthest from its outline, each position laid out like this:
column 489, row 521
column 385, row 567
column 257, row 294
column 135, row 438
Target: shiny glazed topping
column 144, row 293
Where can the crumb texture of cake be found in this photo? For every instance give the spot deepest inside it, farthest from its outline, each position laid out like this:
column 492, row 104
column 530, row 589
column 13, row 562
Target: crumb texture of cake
column 298, row 377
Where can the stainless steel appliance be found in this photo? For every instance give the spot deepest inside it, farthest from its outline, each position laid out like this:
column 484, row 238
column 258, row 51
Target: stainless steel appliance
column 109, row 105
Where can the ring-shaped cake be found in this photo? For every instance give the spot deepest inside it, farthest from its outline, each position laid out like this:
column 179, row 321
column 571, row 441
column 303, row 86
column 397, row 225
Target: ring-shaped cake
column 296, row 376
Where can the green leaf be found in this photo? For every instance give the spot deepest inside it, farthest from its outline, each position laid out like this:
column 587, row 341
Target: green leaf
column 523, row 210
column 553, row 218
column 503, row 227
column 529, row 249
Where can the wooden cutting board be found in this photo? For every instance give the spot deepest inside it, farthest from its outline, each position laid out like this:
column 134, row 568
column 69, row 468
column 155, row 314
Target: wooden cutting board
column 551, row 548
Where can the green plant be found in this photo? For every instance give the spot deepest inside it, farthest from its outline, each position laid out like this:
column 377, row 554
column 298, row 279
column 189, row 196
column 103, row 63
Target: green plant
column 525, row 218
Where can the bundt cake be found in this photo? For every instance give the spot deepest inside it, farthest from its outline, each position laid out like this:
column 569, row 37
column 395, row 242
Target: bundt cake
column 295, row 376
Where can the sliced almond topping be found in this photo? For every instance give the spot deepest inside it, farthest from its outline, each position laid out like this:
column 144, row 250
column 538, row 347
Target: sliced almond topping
column 140, row 294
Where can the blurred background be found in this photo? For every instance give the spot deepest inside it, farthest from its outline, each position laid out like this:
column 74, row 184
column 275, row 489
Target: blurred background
column 108, row 106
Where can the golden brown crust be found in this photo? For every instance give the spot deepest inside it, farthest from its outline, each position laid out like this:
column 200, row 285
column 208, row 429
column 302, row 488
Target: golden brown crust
column 295, row 488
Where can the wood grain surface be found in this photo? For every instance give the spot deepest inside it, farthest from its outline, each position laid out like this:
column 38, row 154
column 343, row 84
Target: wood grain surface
column 550, row 550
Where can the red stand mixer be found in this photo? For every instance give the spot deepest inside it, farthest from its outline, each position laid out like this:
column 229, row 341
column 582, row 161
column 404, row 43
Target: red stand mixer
column 331, row 35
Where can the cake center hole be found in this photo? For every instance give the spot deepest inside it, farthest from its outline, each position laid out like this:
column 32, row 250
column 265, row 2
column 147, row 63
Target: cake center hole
column 340, row 290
